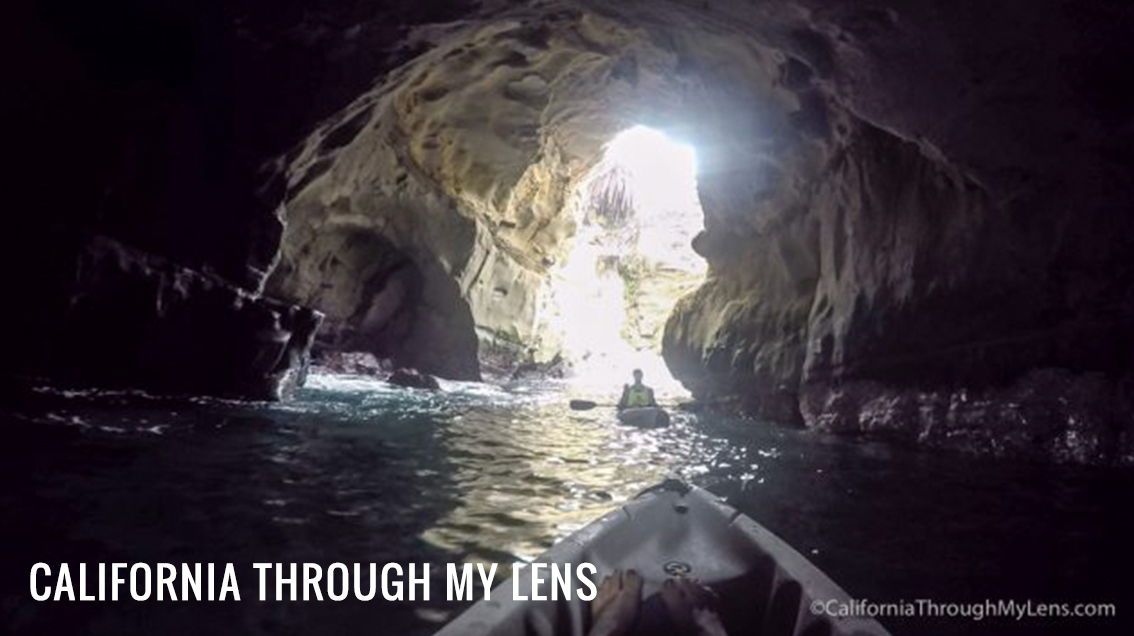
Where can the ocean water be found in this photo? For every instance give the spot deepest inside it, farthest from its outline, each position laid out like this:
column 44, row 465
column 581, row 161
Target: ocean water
column 354, row 470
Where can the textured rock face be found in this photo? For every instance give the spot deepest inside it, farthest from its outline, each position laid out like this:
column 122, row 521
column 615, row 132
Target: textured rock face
column 895, row 196
column 951, row 242
column 1044, row 414
column 414, row 380
column 461, row 165
column 351, row 362
column 130, row 320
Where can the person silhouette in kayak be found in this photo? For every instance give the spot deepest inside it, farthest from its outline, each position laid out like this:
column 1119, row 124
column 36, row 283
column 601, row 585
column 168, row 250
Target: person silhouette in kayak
column 636, row 395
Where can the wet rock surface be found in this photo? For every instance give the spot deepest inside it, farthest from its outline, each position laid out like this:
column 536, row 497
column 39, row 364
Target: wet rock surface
column 1046, row 414
column 351, row 362
column 413, row 379
column 556, row 368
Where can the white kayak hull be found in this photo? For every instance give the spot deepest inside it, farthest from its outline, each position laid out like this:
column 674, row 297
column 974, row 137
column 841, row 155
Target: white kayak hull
column 644, row 417
column 764, row 586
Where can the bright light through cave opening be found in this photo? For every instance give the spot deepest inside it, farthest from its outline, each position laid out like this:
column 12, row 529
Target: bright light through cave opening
column 637, row 212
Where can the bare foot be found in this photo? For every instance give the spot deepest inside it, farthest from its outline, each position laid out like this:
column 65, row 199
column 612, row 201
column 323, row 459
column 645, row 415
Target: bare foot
column 691, row 606
column 616, row 605
column 679, row 603
column 607, row 591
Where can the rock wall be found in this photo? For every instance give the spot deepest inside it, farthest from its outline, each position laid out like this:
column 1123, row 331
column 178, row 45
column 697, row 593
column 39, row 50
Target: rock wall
column 961, row 244
column 150, row 123
column 1044, row 414
column 116, row 317
column 168, row 112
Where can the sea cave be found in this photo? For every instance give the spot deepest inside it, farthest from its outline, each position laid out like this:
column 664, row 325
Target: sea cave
column 342, row 281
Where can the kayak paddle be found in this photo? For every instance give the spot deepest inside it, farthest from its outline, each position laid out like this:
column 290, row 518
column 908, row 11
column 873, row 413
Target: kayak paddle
column 585, row 405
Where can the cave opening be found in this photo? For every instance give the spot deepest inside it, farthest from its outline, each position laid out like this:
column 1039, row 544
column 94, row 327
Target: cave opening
column 636, row 212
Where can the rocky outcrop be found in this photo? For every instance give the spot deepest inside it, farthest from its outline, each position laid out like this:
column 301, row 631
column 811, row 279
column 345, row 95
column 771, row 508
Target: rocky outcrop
column 413, row 379
column 556, row 368
column 350, row 362
column 1043, row 414
column 129, row 320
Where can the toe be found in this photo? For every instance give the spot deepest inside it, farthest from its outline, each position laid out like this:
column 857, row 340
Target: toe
column 632, row 581
column 607, row 590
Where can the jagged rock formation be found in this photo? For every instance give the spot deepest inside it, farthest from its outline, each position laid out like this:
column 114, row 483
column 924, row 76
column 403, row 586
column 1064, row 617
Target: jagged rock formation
column 121, row 318
column 151, row 123
column 413, row 379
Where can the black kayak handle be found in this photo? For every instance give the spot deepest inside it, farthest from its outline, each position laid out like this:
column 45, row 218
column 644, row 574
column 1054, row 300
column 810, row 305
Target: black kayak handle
column 671, row 485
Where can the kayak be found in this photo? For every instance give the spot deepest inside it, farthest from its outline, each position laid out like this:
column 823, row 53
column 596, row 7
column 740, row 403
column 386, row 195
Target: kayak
column 764, row 586
column 644, row 417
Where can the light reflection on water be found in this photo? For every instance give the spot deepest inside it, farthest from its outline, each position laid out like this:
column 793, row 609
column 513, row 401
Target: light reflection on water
column 476, row 471
column 542, row 476
column 355, row 470
column 525, row 470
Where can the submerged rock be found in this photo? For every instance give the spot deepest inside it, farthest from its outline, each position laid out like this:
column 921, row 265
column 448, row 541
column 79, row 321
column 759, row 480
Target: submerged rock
column 413, row 379
column 352, row 362
column 556, row 368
